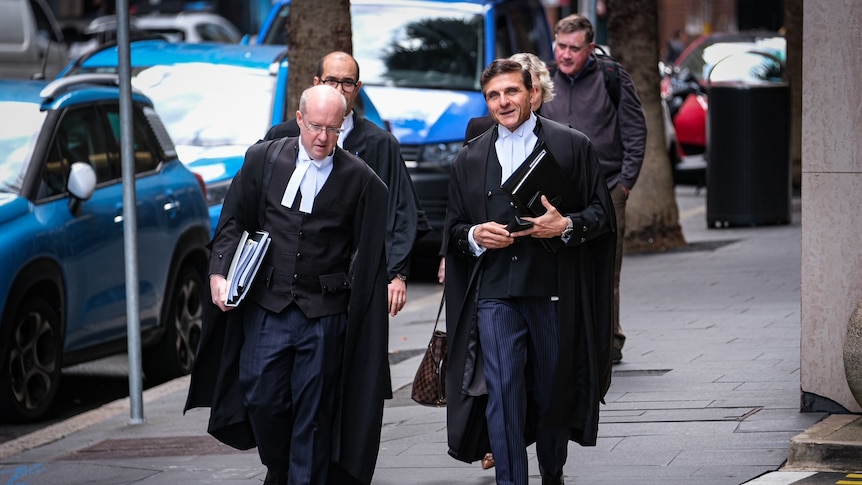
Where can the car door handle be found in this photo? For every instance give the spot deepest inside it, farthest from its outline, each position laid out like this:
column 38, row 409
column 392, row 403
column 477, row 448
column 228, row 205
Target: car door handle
column 172, row 205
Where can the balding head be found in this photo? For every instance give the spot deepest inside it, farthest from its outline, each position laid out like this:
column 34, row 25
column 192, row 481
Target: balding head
column 320, row 116
column 321, row 96
column 341, row 71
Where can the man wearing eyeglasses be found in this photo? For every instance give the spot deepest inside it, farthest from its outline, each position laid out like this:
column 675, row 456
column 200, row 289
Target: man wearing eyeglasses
column 300, row 367
column 405, row 221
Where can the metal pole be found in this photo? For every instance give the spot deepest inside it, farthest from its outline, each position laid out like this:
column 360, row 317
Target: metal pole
column 130, row 216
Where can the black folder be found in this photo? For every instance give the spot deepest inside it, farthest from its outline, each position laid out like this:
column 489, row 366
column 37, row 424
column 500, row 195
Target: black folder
column 538, row 175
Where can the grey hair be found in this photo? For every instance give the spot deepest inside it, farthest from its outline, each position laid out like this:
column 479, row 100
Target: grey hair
column 534, row 65
column 575, row 23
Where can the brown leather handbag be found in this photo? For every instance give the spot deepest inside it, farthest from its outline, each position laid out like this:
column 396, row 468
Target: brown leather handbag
column 429, row 384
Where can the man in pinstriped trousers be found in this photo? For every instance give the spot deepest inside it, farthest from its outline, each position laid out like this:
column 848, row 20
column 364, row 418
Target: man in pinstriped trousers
column 529, row 329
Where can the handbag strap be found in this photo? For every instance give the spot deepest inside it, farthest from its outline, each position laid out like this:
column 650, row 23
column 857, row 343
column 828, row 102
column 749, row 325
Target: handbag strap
column 440, row 309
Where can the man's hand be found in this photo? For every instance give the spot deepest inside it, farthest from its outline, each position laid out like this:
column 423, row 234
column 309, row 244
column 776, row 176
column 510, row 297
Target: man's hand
column 218, row 292
column 548, row 225
column 397, row 295
column 492, row 235
column 626, row 190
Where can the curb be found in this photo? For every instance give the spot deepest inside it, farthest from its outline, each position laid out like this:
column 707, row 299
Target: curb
column 76, row 423
column 834, row 444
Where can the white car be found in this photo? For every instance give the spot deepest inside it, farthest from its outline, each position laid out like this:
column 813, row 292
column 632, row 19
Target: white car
column 190, row 27
column 31, row 42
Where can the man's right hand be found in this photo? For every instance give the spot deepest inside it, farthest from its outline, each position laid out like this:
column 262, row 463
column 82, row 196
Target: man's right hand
column 492, row 235
column 218, row 292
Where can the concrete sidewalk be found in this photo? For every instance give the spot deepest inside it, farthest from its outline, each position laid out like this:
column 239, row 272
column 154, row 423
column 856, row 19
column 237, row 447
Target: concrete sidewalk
column 707, row 393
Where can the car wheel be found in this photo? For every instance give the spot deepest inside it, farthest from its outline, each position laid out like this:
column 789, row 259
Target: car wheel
column 174, row 355
column 32, row 363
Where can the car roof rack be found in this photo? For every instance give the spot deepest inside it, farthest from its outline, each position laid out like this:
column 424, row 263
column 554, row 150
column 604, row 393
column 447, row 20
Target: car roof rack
column 59, row 86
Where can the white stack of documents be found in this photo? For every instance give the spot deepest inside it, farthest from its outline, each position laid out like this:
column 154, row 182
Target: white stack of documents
column 246, row 261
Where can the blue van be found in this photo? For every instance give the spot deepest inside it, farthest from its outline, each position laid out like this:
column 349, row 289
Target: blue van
column 420, row 64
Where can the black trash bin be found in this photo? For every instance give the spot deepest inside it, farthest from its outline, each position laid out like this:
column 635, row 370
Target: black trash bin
column 748, row 129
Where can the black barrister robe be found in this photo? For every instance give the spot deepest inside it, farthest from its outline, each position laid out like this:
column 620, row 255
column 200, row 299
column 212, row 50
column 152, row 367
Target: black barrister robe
column 365, row 380
column 585, row 283
column 381, row 151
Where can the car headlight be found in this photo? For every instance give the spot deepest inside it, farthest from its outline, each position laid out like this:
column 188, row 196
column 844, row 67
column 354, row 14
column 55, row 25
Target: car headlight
column 216, row 192
column 442, row 154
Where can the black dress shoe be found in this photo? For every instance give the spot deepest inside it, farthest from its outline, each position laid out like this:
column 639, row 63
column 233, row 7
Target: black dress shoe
column 617, row 356
column 553, row 480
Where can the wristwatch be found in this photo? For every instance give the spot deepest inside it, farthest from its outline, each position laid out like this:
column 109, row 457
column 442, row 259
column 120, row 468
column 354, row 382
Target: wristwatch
column 401, row 277
column 570, row 227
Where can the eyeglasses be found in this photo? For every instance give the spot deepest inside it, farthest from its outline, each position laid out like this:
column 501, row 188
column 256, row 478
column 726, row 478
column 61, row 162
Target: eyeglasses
column 317, row 129
column 347, row 85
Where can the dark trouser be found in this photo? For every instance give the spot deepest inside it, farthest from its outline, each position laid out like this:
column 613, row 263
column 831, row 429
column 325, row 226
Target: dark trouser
column 518, row 335
column 289, row 368
column 619, row 200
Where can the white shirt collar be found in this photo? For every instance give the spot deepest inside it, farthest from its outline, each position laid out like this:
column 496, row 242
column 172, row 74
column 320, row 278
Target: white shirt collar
column 346, row 128
column 526, row 127
column 304, row 157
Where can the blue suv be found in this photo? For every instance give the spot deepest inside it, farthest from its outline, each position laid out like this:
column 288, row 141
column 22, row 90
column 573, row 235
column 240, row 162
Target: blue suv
column 62, row 288
column 215, row 99
column 420, row 62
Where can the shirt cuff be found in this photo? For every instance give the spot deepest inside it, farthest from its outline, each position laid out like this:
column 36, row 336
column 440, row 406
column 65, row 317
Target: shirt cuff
column 474, row 246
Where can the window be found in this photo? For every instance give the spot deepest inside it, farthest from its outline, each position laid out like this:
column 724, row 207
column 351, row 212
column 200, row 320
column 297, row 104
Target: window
column 214, row 33
column 418, row 46
column 43, row 23
column 145, row 158
column 80, row 137
column 56, row 173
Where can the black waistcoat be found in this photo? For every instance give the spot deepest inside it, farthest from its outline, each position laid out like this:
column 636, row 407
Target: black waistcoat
column 309, row 257
column 523, row 269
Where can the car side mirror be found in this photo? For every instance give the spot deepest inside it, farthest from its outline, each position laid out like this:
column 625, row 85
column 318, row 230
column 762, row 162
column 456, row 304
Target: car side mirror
column 81, row 185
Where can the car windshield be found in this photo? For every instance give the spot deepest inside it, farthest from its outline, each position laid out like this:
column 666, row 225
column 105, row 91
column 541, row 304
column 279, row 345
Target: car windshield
column 17, row 140
column 417, row 46
column 206, row 105
column 701, row 61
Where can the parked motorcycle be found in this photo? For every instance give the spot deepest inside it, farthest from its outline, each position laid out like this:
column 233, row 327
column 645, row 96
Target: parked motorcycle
column 686, row 103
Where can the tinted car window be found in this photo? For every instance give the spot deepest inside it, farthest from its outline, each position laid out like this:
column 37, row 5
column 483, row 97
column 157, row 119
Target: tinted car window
column 278, row 34
column 55, row 174
column 214, row 33
column 43, row 24
column 81, row 138
column 145, row 158
column 173, row 35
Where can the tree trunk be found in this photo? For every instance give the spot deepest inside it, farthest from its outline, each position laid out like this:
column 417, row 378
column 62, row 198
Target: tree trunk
column 315, row 28
column 652, row 217
column 793, row 36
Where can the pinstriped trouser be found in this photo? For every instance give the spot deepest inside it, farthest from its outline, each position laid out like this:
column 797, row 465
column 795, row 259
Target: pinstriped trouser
column 519, row 344
column 289, row 366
